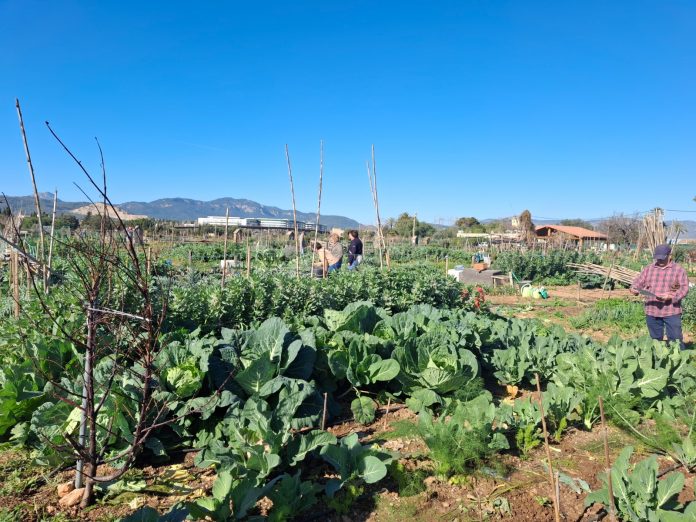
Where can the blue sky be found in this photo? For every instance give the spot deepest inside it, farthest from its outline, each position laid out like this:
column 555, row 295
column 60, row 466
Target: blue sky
column 479, row 108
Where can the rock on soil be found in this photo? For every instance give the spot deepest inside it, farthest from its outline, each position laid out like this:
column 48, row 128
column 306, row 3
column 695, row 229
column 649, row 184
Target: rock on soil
column 72, row 499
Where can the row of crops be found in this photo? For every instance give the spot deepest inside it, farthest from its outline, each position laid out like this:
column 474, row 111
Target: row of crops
column 252, row 401
column 549, row 267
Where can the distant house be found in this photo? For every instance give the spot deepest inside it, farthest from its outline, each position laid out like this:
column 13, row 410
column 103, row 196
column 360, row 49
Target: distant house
column 562, row 233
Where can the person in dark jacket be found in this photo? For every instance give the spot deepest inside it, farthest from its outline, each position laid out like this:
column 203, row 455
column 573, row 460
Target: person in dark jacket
column 355, row 250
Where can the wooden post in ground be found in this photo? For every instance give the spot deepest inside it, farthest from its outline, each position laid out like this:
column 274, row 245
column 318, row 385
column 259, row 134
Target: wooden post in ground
column 15, row 281
column 148, row 257
column 552, row 482
column 294, row 215
column 316, row 224
column 224, row 248
column 248, row 259
column 53, row 230
column 378, row 232
column 607, row 462
column 379, row 220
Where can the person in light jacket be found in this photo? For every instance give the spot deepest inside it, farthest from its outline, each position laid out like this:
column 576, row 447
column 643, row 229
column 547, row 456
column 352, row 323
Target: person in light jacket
column 334, row 253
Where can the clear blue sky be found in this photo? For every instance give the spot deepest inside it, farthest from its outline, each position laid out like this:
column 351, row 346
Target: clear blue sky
column 484, row 108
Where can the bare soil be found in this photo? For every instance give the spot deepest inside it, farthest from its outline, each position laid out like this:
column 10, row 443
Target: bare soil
column 565, row 302
column 511, row 488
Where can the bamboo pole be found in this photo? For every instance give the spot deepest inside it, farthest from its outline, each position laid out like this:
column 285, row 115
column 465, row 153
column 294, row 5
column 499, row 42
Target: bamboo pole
column 323, row 417
column 610, row 487
column 294, row 214
column 374, row 202
column 316, row 224
column 224, row 248
column 552, row 482
column 15, row 282
column 148, row 258
column 248, row 259
column 379, row 220
column 53, row 230
column 41, row 254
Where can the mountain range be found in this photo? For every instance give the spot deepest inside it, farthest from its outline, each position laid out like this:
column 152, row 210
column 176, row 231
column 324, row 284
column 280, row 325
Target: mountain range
column 185, row 209
column 181, row 209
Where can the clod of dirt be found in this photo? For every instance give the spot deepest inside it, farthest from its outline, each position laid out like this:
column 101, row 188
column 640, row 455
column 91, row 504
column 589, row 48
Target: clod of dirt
column 72, row 499
column 430, row 481
column 65, row 488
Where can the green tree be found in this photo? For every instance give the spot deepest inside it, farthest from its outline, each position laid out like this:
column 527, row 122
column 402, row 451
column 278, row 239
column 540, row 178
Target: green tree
column 577, row 223
column 464, row 223
column 403, row 226
column 67, row 221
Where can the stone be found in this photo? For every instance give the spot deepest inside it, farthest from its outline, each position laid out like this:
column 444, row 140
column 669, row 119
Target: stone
column 64, row 489
column 72, row 499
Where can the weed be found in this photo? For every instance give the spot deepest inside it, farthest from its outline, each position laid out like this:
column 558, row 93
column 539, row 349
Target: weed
column 527, row 438
column 627, row 316
column 342, row 501
column 408, row 482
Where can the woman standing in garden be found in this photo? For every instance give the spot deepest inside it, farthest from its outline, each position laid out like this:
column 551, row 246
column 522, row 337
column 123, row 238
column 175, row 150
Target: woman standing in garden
column 334, row 253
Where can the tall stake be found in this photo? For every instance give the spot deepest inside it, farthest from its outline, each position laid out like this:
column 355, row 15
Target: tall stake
column 374, row 202
column 606, row 459
column 294, row 215
column 379, row 220
column 224, row 248
column 15, row 282
column 316, row 224
column 53, row 229
column 36, row 192
column 556, row 507
column 248, row 263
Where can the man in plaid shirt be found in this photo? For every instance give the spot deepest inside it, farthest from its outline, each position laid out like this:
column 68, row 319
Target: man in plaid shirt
column 664, row 284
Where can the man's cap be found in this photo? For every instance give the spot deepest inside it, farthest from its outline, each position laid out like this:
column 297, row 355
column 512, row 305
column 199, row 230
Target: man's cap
column 661, row 252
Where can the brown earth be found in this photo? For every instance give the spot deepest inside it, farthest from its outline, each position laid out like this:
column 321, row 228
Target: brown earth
column 511, row 488
column 565, row 302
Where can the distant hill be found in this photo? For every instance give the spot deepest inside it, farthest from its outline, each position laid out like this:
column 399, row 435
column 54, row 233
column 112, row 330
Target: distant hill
column 180, row 209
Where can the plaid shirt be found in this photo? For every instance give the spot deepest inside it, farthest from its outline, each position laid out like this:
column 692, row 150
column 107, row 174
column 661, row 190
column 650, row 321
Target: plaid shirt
column 669, row 280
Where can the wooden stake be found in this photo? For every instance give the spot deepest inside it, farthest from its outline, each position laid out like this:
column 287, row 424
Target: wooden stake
column 607, row 462
column 41, row 254
column 224, row 248
column 148, row 257
column 294, row 215
column 53, row 229
column 552, row 482
column 15, row 282
column 316, row 224
column 386, row 413
column 323, row 417
column 446, row 264
column 608, row 275
column 248, row 260
column 379, row 220
column 379, row 229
